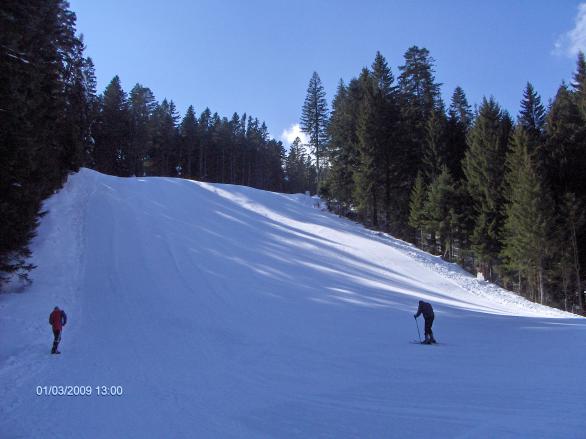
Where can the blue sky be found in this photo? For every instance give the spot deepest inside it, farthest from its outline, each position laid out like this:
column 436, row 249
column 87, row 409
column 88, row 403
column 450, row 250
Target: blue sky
column 257, row 56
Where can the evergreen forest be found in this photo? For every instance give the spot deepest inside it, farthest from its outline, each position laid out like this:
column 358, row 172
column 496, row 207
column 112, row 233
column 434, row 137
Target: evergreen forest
column 500, row 194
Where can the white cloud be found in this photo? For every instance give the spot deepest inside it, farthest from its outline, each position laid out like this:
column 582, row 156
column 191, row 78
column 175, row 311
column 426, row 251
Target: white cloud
column 290, row 134
column 573, row 41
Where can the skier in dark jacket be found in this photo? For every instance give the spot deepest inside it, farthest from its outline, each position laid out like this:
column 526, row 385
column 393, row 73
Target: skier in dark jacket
column 427, row 311
column 57, row 319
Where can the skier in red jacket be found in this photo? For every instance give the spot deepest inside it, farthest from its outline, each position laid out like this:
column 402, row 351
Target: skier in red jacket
column 57, row 319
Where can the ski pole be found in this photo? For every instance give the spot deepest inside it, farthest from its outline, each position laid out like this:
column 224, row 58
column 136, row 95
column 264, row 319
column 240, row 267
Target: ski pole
column 418, row 333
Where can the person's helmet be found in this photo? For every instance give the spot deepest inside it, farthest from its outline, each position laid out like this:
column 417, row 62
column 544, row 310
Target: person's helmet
column 421, row 302
column 56, row 307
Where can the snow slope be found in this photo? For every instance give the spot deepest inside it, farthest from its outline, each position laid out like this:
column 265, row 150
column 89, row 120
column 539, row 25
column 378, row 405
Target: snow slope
column 225, row 311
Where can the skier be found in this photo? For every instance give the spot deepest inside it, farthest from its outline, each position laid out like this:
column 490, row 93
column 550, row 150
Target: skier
column 427, row 311
column 57, row 319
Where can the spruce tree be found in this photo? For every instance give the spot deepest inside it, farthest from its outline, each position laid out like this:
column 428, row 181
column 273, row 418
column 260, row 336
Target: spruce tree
column 417, row 83
column 419, row 96
column 417, row 213
column 343, row 145
column 92, row 111
column 368, row 175
column 112, row 140
column 563, row 152
column 40, row 132
column 571, row 221
column 483, row 166
column 532, row 114
column 457, row 126
column 314, row 120
column 579, row 82
column 434, row 153
column 377, row 139
column 439, row 207
column 142, row 104
column 189, row 141
column 527, row 224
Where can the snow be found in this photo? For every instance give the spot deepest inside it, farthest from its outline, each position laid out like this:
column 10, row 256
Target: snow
column 225, row 311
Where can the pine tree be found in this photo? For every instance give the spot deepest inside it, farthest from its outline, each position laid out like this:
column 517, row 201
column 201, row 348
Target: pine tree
column 564, row 153
column 527, row 222
column 163, row 154
column 419, row 96
column 417, row 83
column 571, row 220
column 417, row 217
column 343, row 144
column 112, row 140
column 76, row 119
column 457, row 127
column 483, row 166
column 92, row 111
column 189, row 141
column 579, row 82
column 142, row 105
column 40, row 134
column 314, row 120
column 434, row 153
column 377, row 141
column 295, row 168
column 440, row 212
column 204, row 141
column 368, row 175
column 532, row 115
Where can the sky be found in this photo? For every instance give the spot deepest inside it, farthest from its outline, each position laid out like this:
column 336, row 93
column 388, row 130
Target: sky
column 258, row 56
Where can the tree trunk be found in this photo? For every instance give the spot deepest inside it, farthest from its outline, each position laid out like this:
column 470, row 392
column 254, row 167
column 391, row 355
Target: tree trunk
column 577, row 269
column 541, row 292
column 387, row 198
column 374, row 209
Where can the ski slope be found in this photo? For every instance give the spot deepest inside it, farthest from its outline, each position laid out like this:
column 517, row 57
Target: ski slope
column 228, row 312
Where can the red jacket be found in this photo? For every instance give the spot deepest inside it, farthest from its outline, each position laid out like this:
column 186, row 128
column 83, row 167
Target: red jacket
column 58, row 319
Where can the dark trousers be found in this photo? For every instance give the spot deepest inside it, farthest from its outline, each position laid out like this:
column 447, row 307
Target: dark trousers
column 56, row 340
column 428, row 324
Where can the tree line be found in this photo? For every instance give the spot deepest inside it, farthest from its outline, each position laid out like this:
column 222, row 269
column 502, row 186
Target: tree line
column 499, row 196
column 52, row 122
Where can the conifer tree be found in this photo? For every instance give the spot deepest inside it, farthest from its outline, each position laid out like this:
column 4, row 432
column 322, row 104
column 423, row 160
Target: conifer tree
column 189, row 141
column 417, row 83
column 142, row 105
column 314, row 120
column 457, row 126
column 579, row 82
column 417, row 217
column 563, row 152
column 295, row 168
column 92, row 110
column 377, row 139
column 440, row 212
column 571, row 220
column 434, row 153
column 532, row 115
column 165, row 139
column 112, row 142
column 419, row 96
column 343, row 144
column 484, row 169
column 527, row 222
column 41, row 134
